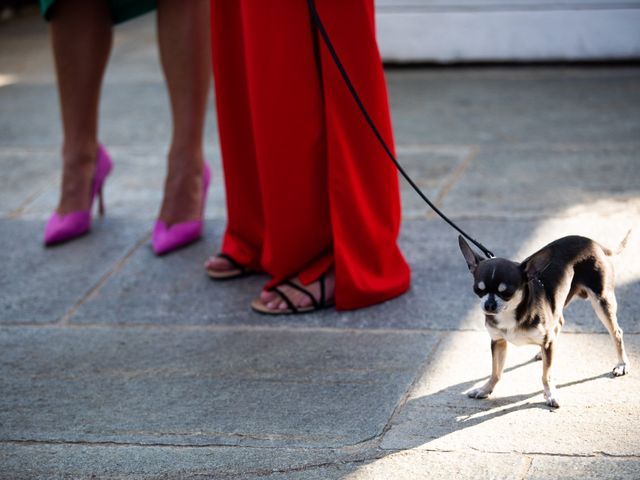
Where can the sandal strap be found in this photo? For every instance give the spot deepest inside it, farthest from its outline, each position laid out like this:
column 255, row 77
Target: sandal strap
column 286, row 299
column 314, row 302
column 233, row 262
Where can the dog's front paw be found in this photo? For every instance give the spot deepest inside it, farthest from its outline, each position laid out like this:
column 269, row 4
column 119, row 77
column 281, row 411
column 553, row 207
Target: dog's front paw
column 482, row 392
column 620, row 369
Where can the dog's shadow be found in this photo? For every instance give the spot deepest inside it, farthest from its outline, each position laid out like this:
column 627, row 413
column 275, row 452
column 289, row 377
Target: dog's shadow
column 468, row 412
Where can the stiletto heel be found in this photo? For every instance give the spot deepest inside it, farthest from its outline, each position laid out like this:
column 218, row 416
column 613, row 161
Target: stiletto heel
column 101, row 209
column 166, row 239
column 62, row 228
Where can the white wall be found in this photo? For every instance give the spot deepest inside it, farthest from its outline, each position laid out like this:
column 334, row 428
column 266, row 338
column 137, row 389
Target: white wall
column 449, row 31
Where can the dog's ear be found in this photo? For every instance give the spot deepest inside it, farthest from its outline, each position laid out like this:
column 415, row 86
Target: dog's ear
column 472, row 258
column 536, row 263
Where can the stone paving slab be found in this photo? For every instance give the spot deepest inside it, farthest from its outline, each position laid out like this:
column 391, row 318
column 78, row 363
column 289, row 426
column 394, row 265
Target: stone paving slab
column 259, row 387
column 433, row 169
column 415, row 465
column 579, row 468
column 175, row 290
column 598, row 413
column 542, row 180
column 40, row 285
column 25, row 174
column 539, row 105
column 49, row 461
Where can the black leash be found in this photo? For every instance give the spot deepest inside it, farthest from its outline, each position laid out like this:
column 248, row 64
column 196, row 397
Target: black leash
column 325, row 37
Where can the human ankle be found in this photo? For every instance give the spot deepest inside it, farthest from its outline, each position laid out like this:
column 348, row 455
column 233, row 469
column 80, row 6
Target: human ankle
column 187, row 157
column 79, row 154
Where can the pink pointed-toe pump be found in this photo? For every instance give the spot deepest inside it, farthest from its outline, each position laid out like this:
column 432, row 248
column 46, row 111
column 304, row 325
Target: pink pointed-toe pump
column 166, row 239
column 64, row 227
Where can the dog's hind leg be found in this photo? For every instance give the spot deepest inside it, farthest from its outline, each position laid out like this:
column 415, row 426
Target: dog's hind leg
column 548, row 353
column 606, row 308
column 498, row 356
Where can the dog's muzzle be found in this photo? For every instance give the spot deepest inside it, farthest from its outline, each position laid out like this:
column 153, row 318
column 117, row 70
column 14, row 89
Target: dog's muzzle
column 490, row 306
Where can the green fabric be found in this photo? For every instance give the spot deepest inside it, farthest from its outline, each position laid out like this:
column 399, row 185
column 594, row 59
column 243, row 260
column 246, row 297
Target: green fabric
column 121, row 10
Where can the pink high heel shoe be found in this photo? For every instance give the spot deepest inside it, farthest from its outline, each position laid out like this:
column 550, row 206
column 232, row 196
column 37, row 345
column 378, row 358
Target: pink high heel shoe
column 165, row 239
column 62, row 228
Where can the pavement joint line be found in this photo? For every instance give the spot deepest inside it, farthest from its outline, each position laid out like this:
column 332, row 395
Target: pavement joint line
column 401, row 148
column 624, row 208
column 228, row 328
column 110, row 443
column 303, row 468
column 595, row 454
column 260, row 328
column 405, row 397
column 64, row 320
column 455, row 176
column 415, row 148
column 18, row 211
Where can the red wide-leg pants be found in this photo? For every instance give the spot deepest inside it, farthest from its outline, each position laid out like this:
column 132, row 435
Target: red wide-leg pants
column 308, row 186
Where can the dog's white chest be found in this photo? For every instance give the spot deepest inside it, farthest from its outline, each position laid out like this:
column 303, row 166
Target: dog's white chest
column 505, row 327
column 506, row 320
column 520, row 338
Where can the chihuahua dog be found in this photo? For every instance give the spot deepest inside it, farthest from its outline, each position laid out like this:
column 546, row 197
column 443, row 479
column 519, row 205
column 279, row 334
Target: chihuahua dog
column 523, row 302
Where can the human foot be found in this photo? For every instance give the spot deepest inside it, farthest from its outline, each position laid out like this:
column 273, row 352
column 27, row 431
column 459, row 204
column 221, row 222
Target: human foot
column 79, row 165
column 224, row 267
column 183, row 189
column 293, row 297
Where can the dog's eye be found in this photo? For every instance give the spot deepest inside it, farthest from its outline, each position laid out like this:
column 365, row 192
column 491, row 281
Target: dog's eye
column 479, row 289
column 506, row 294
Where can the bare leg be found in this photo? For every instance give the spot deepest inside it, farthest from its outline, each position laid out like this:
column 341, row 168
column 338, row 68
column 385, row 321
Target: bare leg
column 81, row 37
column 550, row 394
column 498, row 356
column 183, row 39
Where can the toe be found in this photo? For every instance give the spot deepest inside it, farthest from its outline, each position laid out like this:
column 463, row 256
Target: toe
column 217, row 263
column 268, row 296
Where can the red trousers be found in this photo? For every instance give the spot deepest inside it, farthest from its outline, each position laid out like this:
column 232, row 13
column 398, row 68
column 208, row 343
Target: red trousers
column 308, row 186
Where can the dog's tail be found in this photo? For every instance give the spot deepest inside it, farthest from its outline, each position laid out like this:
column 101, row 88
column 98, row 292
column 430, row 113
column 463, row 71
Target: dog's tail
column 622, row 246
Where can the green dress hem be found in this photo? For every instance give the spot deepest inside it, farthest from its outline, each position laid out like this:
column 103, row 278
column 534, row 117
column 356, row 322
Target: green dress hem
column 121, row 10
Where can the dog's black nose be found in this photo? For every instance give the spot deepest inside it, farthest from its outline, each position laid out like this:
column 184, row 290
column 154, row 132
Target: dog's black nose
column 490, row 305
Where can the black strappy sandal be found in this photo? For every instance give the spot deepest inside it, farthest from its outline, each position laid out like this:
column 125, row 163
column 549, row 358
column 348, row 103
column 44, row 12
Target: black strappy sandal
column 260, row 307
column 238, row 271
